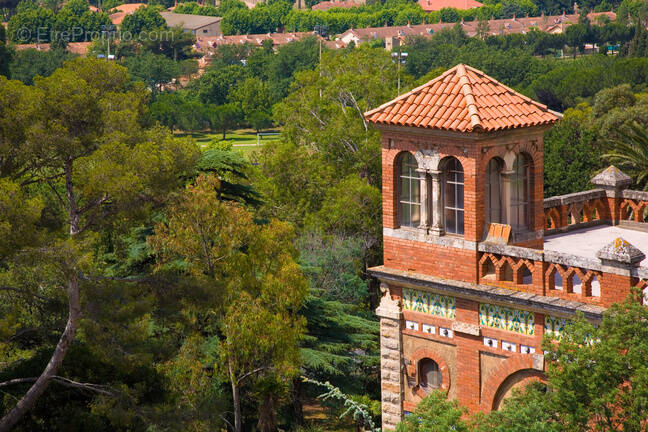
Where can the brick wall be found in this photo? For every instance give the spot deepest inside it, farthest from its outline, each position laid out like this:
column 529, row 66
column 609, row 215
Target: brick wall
column 476, row 383
column 431, row 259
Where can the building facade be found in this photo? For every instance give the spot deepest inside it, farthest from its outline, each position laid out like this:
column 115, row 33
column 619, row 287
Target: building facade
column 199, row 25
column 478, row 266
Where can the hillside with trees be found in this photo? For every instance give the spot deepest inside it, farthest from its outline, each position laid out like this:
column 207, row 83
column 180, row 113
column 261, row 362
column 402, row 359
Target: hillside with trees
column 151, row 283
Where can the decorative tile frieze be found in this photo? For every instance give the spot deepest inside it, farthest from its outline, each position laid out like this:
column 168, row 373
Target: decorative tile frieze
column 429, row 303
column 554, row 326
column 503, row 318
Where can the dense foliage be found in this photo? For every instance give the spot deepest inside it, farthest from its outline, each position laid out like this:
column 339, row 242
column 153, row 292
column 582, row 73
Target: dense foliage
column 201, row 288
column 74, row 22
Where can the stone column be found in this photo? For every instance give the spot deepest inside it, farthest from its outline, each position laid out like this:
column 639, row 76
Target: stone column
column 437, row 204
column 507, row 192
column 425, row 222
column 391, row 377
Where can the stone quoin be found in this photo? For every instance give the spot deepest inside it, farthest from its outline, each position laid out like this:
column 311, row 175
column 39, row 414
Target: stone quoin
column 478, row 266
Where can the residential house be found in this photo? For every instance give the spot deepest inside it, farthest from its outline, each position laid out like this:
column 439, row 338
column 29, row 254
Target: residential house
column 199, row 25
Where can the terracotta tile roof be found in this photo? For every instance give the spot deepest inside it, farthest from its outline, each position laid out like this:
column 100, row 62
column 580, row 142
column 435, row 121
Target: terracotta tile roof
column 80, row 48
column 205, row 43
column 326, row 5
column 436, row 5
column 129, row 7
column 463, row 99
column 121, row 11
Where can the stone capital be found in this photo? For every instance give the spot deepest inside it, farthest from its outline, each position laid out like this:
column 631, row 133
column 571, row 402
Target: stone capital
column 388, row 308
column 612, row 178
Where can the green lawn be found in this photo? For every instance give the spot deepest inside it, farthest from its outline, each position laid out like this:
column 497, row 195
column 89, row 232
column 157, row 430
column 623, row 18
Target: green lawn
column 244, row 140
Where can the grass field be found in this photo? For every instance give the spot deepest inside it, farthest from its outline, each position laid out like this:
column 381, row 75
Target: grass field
column 244, row 140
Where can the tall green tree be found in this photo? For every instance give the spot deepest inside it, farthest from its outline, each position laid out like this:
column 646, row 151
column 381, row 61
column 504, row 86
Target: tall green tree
column 154, row 70
column 82, row 151
column 224, row 117
column 29, row 63
column 143, row 19
column 6, row 53
column 252, row 280
column 630, row 154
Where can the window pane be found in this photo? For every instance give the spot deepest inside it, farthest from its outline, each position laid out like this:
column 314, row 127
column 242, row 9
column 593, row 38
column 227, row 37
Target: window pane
column 409, row 192
column 404, row 214
column 430, row 374
column 415, row 190
column 449, row 195
column 405, row 192
column 460, row 196
column 416, row 215
column 451, row 221
column 460, row 222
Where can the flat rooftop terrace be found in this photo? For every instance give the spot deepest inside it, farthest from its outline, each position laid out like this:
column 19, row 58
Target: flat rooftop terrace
column 587, row 241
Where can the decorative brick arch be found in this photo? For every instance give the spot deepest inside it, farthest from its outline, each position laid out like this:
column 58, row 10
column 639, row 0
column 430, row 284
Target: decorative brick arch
column 553, row 218
column 498, row 376
column 594, row 210
column 412, row 369
column 518, row 270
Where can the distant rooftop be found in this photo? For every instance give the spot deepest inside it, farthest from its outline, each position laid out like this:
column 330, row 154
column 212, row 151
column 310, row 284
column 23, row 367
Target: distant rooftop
column 436, row 5
column 325, row 5
column 188, row 21
column 123, row 10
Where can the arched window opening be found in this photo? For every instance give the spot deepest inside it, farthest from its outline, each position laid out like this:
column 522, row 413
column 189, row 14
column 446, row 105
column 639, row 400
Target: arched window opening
column 493, row 192
column 489, row 270
column 527, row 277
column 409, row 192
column 558, row 281
column 577, row 284
column 430, row 375
column 507, row 272
column 595, row 287
column 454, row 197
column 520, row 193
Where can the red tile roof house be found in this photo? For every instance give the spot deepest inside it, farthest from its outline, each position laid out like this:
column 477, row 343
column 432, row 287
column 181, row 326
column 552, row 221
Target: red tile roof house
column 478, row 266
column 551, row 24
column 326, row 5
column 122, row 10
column 206, row 44
column 80, row 48
column 436, row 5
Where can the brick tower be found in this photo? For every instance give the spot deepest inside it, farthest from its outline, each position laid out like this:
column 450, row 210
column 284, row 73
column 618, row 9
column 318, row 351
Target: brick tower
column 478, row 266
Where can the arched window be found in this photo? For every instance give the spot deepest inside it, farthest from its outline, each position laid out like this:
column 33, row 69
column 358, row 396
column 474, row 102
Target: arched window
column 409, row 192
column 520, row 193
column 527, row 277
column 429, row 375
column 494, row 192
column 453, row 176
